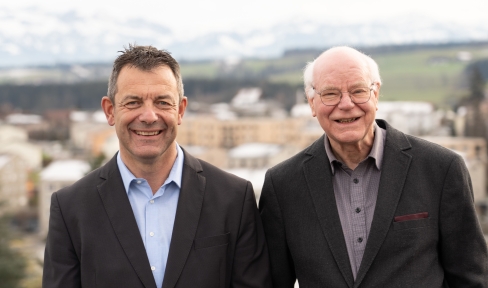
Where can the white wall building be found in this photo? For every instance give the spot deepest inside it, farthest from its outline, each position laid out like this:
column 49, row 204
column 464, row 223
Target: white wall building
column 13, row 179
column 251, row 161
column 57, row 175
column 414, row 118
column 14, row 141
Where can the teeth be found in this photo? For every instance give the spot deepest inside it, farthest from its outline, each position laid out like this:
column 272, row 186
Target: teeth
column 346, row 120
column 147, row 133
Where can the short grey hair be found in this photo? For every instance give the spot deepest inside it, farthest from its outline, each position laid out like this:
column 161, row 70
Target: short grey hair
column 145, row 58
column 371, row 66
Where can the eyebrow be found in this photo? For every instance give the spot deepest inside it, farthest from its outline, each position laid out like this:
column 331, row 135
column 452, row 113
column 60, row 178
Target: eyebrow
column 130, row 97
column 134, row 97
column 163, row 97
column 354, row 85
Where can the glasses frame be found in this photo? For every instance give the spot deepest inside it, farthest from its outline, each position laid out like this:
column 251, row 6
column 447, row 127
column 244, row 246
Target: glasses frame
column 341, row 93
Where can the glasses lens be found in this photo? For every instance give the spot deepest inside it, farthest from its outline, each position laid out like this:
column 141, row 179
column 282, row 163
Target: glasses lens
column 330, row 96
column 360, row 95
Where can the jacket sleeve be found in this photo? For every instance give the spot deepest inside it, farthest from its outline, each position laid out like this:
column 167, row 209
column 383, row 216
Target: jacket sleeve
column 251, row 260
column 61, row 264
column 282, row 267
column 463, row 250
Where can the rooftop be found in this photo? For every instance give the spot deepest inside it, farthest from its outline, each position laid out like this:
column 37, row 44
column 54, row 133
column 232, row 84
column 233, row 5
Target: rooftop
column 65, row 170
column 254, row 150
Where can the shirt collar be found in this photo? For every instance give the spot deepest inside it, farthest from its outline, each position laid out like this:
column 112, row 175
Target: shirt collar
column 376, row 152
column 174, row 175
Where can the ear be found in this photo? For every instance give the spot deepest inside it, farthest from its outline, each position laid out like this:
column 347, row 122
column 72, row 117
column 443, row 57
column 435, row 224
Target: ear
column 377, row 91
column 312, row 106
column 182, row 109
column 108, row 109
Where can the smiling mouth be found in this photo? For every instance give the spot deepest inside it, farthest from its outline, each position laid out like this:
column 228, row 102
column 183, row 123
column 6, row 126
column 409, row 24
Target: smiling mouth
column 147, row 133
column 348, row 120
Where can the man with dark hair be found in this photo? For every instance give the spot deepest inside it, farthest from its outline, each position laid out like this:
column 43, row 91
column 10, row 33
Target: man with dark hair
column 366, row 205
column 153, row 216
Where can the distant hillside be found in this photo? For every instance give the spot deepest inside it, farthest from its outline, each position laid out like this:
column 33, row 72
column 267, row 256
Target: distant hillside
column 87, row 95
column 434, row 73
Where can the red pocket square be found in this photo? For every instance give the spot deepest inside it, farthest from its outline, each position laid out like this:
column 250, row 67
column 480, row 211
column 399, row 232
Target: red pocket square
column 412, row 217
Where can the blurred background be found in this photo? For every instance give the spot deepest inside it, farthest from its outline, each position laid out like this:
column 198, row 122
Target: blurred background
column 241, row 65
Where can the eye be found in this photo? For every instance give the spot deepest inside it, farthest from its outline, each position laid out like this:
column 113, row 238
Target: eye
column 132, row 104
column 330, row 93
column 163, row 104
column 359, row 91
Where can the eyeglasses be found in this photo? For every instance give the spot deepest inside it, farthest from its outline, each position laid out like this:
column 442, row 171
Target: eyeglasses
column 332, row 97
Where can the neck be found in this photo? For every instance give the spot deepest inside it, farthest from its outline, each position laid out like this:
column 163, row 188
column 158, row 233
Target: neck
column 352, row 154
column 155, row 171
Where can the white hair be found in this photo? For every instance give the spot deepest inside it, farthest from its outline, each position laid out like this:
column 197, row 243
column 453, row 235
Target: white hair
column 371, row 66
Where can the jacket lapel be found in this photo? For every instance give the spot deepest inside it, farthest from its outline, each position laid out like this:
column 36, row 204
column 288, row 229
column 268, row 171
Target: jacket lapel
column 186, row 221
column 394, row 172
column 119, row 210
column 319, row 179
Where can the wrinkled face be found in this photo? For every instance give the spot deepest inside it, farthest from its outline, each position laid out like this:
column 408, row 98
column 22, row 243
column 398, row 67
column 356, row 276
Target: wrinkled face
column 345, row 123
column 146, row 113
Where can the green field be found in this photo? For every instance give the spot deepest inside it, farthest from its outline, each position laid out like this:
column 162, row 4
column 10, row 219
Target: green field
column 423, row 74
column 417, row 76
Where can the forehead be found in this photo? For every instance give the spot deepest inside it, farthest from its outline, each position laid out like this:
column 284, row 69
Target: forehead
column 137, row 82
column 339, row 69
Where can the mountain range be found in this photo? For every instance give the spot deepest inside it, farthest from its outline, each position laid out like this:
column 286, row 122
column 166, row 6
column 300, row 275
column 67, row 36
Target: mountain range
column 31, row 37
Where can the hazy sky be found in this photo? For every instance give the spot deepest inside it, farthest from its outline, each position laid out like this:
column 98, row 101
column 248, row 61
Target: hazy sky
column 196, row 17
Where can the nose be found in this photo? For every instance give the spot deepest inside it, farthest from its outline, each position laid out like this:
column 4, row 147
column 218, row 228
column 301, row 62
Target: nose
column 148, row 114
column 346, row 102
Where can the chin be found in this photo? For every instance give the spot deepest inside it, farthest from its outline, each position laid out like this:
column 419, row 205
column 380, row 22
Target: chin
column 350, row 137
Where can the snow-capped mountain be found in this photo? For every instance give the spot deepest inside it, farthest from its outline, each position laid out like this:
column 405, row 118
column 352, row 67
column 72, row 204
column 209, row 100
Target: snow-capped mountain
column 33, row 37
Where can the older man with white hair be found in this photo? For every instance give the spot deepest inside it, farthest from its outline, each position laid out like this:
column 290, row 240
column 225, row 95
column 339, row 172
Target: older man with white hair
column 366, row 205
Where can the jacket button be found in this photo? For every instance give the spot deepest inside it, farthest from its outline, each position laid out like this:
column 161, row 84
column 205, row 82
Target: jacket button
column 360, row 239
column 358, row 210
column 356, row 181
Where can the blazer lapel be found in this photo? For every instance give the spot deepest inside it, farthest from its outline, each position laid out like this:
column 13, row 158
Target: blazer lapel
column 394, row 171
column 186, row 221
column 319, row 179
column 119, row 210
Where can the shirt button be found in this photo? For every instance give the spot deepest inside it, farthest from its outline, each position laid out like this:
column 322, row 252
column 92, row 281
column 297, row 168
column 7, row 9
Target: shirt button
column 138, row 181
column 152, row 201
column 151, row 234
column 358, row 210
column 360, row 239
column 153, row 268
column 356, row 181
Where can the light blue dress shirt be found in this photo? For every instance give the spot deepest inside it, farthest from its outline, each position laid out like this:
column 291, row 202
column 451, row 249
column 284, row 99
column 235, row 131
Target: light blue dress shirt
column 155, row 214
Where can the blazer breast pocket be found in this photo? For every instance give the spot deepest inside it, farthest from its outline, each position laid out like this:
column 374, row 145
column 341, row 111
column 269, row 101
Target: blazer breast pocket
column 411, row 221
column 211, row 241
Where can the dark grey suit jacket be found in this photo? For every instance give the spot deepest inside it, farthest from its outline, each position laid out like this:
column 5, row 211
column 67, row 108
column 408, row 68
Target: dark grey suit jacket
column 305, row 237
column 218, row 238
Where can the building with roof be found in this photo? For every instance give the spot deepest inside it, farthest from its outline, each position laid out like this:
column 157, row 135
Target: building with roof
column 210, row 131
column 89, row 132
column 411, row 117
column 55, row 176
